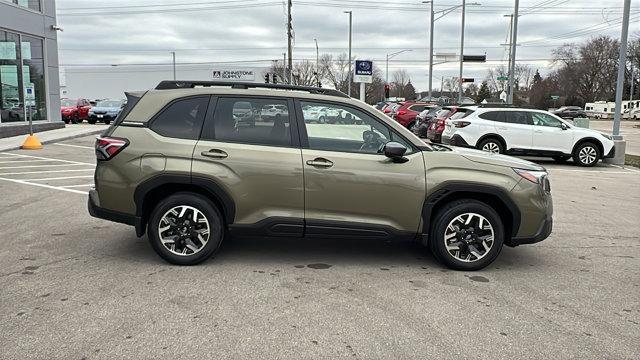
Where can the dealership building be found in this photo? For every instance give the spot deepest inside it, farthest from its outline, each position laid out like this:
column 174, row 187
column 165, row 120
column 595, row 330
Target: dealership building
column 28, row 66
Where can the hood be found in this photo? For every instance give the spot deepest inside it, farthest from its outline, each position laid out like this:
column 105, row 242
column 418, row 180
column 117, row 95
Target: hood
column 66, row 108
column 105, row 108
column 484, row 157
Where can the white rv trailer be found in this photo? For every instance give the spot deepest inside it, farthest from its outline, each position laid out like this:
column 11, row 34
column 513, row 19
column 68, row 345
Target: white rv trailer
column 606, row 109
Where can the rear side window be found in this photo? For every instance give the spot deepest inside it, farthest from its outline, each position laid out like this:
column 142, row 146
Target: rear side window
column 518, row 117
column 493, row 116
column 182, row 119
column 257, row 121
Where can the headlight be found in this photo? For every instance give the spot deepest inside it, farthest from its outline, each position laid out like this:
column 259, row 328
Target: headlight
column 606, row 136
column 535, row 177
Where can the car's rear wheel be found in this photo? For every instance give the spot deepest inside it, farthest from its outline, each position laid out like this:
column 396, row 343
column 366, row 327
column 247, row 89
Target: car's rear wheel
column 321, row 120
column 466, row 235
column 185, row 229
column 586, row 154
column 75, row 119
column 491, row 145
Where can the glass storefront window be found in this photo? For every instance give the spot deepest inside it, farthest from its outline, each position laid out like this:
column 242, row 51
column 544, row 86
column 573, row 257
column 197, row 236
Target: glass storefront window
column 31, row 4
column 29, row 89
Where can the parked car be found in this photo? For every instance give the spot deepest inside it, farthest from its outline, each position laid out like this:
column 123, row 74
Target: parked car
column 528, row 132
column 213, row 179
column 436, row 125
column 105, row 111
column 570, row 112
column 316, row 114
column 74, row 110
column 423, row 120
column 244, row 114
column 273, row 112
column 390, row 108
column 407, row 113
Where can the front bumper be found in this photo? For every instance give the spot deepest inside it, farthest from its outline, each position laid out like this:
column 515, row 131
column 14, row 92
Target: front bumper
column 611, row 154
column 102, row 117
column 543, row 232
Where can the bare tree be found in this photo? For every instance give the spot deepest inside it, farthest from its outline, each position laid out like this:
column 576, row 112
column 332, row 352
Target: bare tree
column 400, row 79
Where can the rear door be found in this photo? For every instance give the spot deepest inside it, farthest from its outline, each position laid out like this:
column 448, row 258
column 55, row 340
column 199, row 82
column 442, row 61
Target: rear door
column 548, row 134
column 350, row 187
column 516, row 128
column 259, row 166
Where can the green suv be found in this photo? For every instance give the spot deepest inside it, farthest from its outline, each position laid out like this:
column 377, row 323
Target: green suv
column 185, row 164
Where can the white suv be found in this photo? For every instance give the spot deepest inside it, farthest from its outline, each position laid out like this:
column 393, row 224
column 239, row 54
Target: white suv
column 527, row 132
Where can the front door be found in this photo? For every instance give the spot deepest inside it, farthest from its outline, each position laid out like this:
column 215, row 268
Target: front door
column 256, row 159
column 549, row 135
column 350, row 187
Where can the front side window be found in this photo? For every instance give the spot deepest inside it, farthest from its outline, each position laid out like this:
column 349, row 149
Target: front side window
column 540, row 119
column 517, row 117
column 257, row 121
column 349, row 130
column 181, row 119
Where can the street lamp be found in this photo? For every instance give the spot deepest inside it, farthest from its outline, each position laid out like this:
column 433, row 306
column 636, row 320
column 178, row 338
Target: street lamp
column 389, row 56
column 444, row 13
column 349, row 75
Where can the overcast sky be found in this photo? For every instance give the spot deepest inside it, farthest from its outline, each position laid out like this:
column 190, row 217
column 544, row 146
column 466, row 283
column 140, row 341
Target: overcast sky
column 251, row 33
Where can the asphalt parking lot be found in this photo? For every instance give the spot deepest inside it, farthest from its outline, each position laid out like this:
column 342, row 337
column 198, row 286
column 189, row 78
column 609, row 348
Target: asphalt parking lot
column 75, row 287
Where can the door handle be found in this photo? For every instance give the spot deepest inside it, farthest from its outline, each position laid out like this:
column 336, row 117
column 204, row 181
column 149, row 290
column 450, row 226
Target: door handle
column 215, row 154
column 538, row 131
column 502, row 128
column 320, row 162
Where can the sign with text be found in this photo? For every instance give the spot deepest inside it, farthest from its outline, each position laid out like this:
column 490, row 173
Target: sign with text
column 234, row 75
column 363, row 71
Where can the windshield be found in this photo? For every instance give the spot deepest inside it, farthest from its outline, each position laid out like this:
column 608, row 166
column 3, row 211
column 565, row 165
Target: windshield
column 443, row 113
column 67, row 102
column 109, row 103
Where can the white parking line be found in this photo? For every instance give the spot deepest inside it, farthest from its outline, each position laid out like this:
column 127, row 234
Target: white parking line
column 45, row 186
column 61, row 178
column 20, row 160
column 76, row 146
column 45, row 158
column 72, row 186
column 37, row 166
column 46, row 171
column 593, row 171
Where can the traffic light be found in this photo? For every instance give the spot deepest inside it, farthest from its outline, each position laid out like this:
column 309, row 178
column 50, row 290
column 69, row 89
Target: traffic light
column 266, row 78
column 275, row 78
column 386, row 91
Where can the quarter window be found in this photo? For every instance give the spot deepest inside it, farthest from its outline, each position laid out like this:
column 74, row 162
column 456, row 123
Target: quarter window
column 182, row 119
column 347, row 129
column 251, row 121
column 493, row 116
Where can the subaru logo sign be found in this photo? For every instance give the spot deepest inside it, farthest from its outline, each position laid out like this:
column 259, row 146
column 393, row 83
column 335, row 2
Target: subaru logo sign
column 364, row 67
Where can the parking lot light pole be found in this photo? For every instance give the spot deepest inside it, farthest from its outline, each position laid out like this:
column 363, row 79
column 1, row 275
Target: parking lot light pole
column 349, row 74
column 512, row 56
column 173, row 53
column 431, row 21
column 621, row 69
column 317, row 63
column 464, row 3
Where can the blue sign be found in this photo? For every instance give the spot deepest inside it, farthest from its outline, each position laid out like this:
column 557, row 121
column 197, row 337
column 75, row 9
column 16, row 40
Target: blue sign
column 364, row 67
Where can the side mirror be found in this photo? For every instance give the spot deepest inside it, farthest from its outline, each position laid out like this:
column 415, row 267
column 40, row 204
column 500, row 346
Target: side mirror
column 394, row 151
column 564, row 126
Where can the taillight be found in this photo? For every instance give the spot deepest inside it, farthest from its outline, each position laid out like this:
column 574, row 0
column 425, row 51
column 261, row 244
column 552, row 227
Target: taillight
column 441, row 122
column 108, row 147
column 461, row 124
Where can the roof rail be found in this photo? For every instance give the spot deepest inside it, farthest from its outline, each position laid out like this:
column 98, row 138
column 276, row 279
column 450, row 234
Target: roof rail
column 179, row 84
column 508, row 106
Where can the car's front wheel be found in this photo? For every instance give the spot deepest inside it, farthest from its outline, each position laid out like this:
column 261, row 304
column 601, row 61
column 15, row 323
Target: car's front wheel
column 185, row 229
column 586, row 154
column 466, row 235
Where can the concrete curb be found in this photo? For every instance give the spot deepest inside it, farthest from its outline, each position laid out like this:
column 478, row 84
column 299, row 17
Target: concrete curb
column 62, row 138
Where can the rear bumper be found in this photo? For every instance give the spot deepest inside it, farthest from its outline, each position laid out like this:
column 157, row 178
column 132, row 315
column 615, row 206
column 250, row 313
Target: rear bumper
column 101, row 213
column 455, row 140
column 543, row 232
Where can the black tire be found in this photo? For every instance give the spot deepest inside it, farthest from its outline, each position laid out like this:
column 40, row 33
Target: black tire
column 209, row 210
column 91, row 121
column 561, row 159
column 587, row 154
column 66, row 121
column 491, row 143
column 107, row 122
column 75, row 119
column 322, row 120
column 411, row 125
column 448, row 213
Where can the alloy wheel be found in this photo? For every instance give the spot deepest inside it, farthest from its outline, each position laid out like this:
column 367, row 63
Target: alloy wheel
column 588, row 155
column 184, row 230
column 491, row 147
column 469, row 237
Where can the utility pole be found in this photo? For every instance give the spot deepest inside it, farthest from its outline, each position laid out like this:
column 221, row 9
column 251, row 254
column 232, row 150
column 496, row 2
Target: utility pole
column 174, row 64
column 631, row 90
column 464, row 3
column 284, row 68
column 431, row 52
column 349, row 76
column 510, row 43
column 622, row 61
column 317, row 63
column 514, row 45
column 289, row 40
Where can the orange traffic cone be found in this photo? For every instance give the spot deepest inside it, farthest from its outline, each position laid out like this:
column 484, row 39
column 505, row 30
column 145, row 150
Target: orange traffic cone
column 32, row 143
